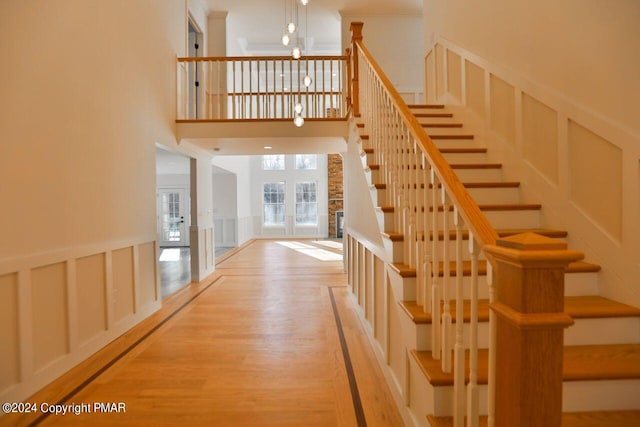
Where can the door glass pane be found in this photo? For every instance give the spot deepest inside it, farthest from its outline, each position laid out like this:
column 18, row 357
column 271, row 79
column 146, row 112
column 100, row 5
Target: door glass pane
column 171, row 218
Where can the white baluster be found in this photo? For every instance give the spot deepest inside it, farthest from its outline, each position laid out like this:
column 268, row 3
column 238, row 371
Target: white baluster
column 472, row 388
column 492, row 346
column 435, row 273
column 446, row 277
column 459, row 370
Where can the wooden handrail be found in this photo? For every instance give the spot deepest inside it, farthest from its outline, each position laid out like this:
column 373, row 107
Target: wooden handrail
column 264, row 58
column 481, row 228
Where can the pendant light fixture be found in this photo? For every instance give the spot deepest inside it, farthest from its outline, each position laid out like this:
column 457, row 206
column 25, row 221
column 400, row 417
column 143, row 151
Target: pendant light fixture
column 292, row 27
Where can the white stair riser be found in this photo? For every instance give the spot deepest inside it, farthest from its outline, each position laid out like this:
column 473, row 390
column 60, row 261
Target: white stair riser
column 403, row 288
column 483, row 196
column 495, row 196
column 385, row 221
column 394, row 250
column 616, row 330
column 577, row 284
column 581, row 333
column 465, row 157
column 372, row 176
column 611, row 395
column 378, row 197
column 577, row 396
column 479, row 175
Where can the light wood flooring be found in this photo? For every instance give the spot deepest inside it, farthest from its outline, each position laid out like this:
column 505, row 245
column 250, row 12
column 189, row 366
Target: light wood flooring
column 258, row 344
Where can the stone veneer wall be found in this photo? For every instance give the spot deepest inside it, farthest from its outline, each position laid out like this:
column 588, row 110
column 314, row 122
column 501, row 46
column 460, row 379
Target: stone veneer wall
column 334, row 166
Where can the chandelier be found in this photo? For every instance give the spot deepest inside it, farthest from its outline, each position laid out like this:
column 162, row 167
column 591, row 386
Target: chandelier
column 292, row 34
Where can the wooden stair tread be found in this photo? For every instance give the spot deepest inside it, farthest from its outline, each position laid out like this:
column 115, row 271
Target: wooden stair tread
column 485, row 184
column 574, row 267
column 501, row 207
column 507, row 232
column 569, row 419
column 403, row 270
column 433, row 115
column 378, row 186
column 581, row 363
column 578, row 307
column 601, row 419
column 430, row 106
column 394, row 237
column 488, row 207
column 452, row 136
column 601, row 362
column 463, row 150
column 594, row 306
column 475, row 165
column 441, row 125
column 367, row 151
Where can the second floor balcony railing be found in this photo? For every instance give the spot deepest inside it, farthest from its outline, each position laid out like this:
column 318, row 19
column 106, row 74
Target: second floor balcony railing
column 232, row 88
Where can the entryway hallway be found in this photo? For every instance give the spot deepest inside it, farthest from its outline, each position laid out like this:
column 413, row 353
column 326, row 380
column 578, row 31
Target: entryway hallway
column 258, row 344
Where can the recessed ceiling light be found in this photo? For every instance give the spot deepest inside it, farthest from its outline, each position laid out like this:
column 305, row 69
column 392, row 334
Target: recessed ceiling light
column 267, row 147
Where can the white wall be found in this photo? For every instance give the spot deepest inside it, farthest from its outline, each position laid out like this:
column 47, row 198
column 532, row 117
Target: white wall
column 584, row 49
column 396, row 42
column 240, row 166
column 88, row 89
column 225, row 207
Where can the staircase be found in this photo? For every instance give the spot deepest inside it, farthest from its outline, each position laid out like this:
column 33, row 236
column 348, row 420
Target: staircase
column 601, row 369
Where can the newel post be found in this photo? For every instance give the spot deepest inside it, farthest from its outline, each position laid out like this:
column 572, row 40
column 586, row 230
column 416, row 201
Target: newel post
column 356, row 37
column 530, row 321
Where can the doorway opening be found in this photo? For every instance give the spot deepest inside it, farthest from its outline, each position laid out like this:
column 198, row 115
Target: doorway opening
column 173, row 213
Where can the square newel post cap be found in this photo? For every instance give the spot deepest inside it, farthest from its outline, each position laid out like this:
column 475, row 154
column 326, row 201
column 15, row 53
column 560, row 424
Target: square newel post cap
column 532, row 250
column 356, row 30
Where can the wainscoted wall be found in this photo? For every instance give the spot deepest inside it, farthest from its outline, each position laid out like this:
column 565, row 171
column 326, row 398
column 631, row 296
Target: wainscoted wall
column 58, row 308
column 377, row 302
column 582, row 166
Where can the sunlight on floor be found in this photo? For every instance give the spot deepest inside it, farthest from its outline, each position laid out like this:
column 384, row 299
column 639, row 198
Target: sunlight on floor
column 312, row 251
column 330, row 244
column 172, row 254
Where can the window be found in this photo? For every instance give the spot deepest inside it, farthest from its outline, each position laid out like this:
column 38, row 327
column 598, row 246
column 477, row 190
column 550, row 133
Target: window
column 273, row 162
column 273, row 194
column 306, row 161
column 306, row 203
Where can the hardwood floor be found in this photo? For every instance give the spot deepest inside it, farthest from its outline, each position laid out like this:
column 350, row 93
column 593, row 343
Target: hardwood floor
column 259, row 347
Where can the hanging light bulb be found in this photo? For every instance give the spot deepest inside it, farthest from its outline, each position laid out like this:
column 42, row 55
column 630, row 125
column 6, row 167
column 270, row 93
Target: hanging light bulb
column 307, row 80
column 298, row 121
column 286, row 39
column 298, row 108
column 296, row 53
column 291, row 27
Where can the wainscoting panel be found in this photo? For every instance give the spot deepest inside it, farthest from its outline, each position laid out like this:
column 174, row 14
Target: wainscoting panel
column 123, row 292
column 540, row 136
column 596, row 177
column 454, row 76
column 91, row 297
column 9, row 336
column 503, row 108
column 49, row 311
column 147, row 275
column 475, row 88
column 58, row 308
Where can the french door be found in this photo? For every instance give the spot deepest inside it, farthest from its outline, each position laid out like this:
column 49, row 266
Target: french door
column 173, row 216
